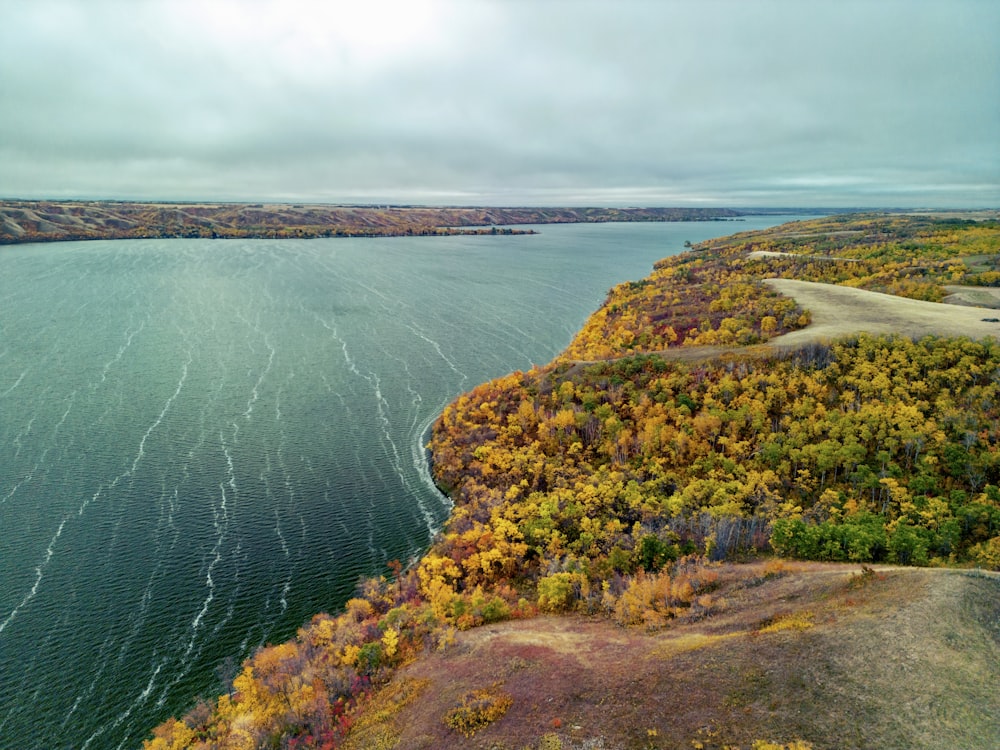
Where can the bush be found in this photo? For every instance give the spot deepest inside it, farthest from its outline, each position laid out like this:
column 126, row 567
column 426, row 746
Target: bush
column 987, row 554
column 908, row 545
column 559, row 591
column 654, row 553
column 471, row 611
column 478, row 709
column 370, row 658
column 861, row 538
column 652, row 600
column 646, row 601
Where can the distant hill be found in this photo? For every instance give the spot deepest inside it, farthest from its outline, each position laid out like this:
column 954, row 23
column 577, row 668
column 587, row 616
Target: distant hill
column 52, row 221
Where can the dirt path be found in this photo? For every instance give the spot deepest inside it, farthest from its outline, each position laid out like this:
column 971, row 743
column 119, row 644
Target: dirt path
column 776, row 254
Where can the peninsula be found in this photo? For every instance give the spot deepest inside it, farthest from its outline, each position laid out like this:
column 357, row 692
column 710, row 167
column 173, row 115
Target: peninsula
column 592, row 588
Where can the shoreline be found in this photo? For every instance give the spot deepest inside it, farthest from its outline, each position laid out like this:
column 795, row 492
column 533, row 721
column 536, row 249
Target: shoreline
column 55, row 221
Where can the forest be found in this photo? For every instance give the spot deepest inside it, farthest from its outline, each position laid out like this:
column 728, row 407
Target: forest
column 671, row 434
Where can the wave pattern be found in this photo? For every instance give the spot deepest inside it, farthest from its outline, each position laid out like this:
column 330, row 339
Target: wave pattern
column 203, row 443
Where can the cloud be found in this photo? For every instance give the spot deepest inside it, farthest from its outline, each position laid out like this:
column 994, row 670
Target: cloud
column 804, row 103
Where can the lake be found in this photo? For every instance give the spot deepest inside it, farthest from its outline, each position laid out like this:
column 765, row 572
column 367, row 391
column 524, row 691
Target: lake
column 205, row 442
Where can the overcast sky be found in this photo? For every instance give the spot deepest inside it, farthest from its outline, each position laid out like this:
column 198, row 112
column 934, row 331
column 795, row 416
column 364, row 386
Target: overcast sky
column 523, row 102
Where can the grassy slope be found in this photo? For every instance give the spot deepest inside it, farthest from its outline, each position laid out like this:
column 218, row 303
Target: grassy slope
column 903, row 658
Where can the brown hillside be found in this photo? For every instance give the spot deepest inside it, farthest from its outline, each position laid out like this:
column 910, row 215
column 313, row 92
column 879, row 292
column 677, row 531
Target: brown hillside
column 898, row 658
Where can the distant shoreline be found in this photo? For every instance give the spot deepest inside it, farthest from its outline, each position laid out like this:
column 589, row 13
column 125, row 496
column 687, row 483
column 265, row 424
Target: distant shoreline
column 27, row 221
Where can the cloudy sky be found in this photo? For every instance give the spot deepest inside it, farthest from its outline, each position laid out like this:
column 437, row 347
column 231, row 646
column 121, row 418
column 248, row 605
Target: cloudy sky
column 511, row 102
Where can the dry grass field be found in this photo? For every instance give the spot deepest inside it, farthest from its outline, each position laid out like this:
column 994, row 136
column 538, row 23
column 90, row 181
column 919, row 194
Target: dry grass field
column 842, row 311
column 829, row 654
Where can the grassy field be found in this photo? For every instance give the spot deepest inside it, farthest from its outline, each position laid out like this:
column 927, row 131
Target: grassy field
column 838, row 656
column 843, row 311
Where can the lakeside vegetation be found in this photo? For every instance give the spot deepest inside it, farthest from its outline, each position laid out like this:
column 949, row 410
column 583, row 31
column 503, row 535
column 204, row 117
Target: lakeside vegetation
column 54, row 221
column 612, row 481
